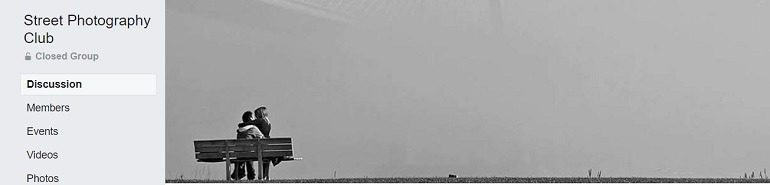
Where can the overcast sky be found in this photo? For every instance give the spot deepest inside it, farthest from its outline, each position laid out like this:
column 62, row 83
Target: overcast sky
column 633, row 88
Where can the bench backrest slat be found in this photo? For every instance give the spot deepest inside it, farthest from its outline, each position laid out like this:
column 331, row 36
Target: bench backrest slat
column 242, row 155
column 277, row 147
column 221, row 142
column 241, row 148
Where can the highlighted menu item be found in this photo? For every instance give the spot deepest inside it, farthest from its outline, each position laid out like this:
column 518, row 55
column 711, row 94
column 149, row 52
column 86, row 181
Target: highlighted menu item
column 88, row 84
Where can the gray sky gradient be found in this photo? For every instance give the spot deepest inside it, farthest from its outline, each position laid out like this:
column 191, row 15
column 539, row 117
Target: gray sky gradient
column 633, row 88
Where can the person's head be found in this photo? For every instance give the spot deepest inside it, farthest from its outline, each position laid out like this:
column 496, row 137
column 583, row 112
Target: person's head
column 261, row 112
column 247, row 116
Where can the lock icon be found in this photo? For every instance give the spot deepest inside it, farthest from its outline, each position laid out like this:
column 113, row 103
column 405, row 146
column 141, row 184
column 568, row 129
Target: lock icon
column 27, row 57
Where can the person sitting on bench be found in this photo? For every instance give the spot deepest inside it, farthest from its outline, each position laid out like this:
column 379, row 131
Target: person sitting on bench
column 246, row 131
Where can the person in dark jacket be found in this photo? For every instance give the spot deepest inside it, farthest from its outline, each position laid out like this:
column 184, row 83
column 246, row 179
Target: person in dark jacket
column 264, row 125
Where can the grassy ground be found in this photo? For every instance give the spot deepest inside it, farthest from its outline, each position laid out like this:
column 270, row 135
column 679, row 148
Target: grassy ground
column 496, row 180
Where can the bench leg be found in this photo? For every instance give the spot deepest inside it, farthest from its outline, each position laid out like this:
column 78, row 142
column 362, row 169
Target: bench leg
column 259, row 171
column 227, row 169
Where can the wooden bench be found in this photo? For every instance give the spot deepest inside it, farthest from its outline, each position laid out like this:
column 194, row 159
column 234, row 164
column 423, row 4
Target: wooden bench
column 241, row 150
